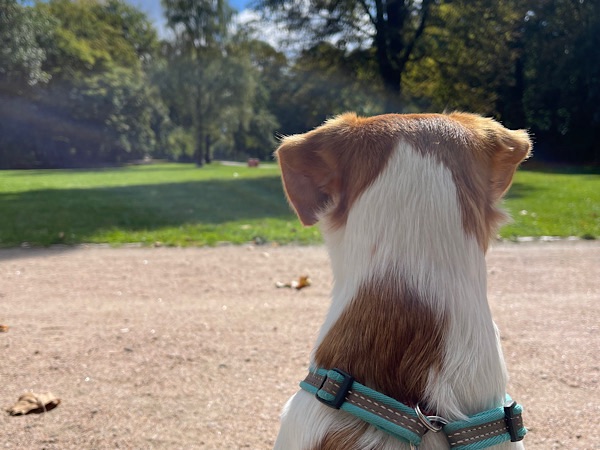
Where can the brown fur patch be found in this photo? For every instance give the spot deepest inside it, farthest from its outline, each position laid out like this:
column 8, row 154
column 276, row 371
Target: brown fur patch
column 343, row 438
column 388, row 339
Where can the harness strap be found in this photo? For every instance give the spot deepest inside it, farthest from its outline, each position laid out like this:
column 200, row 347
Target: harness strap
column 339, row 390
column 488, row 428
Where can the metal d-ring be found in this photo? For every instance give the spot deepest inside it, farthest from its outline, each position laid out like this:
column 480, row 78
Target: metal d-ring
column 432, row 423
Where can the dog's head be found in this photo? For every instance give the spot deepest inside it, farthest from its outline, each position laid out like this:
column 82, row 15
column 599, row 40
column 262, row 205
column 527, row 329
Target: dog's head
column 326, row 170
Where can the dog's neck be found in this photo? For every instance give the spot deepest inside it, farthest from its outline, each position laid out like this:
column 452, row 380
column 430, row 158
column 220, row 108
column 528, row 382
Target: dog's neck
column 413, row 282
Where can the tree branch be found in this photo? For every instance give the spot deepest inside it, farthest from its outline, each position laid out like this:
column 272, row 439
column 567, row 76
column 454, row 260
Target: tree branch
column 425, row 6
column 363, row 3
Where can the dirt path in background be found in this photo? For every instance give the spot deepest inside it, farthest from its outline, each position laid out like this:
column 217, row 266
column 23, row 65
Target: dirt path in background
column 195, row 348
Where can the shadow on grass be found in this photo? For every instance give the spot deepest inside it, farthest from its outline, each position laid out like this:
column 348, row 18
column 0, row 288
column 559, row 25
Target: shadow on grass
column 520, row 190
column 138, row 168
column 73, row 216
column 172, row 167
column 562, row 169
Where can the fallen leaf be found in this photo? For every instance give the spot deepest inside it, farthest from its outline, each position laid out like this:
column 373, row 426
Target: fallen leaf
column 3, row 328
column 298, row 284
column 30, row 403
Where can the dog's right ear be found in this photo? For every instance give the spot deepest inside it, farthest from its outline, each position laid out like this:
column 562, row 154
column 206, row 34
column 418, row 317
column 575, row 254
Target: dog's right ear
column 308, row 180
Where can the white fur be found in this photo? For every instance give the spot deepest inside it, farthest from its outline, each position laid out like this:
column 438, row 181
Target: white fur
column 409, row 220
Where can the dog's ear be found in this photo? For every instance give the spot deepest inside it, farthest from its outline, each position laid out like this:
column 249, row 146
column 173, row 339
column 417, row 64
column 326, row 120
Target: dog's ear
column 326, row 169
column 511, row 147
column 308, row 179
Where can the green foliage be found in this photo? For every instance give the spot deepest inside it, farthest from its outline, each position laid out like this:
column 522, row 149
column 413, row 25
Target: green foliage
column 246, row 114
column 215, row 85
column 562, row 103
column 391, row 28
column 99, row 106
column 255, row 120
column 466, row 56
column 532, row 65
column 125, row 109
column 21, row 56
column 91, row 36
column 87, row 81
column 197, row 61
column 180, row 145
column 326, row 81
column 200, row 26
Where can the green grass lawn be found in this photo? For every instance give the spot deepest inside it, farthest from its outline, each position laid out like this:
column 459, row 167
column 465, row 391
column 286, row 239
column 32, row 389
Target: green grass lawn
column 179, row 204
column 174, row 204
column 554, row 203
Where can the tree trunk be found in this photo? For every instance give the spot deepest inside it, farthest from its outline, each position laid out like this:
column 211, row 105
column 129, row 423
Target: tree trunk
column 207, row 144
column 510, row 103
column 395, row 39
column 390, row 75
column 199, row 148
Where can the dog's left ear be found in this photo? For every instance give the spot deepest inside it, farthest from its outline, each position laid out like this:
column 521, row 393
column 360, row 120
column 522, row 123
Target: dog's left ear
column 511, row 148
column 308, row 179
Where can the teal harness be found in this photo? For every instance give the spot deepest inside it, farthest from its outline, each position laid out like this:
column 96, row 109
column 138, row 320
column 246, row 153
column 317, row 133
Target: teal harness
column 339, row 390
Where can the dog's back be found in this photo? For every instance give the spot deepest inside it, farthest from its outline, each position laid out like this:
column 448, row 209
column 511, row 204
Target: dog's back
column 407, row 207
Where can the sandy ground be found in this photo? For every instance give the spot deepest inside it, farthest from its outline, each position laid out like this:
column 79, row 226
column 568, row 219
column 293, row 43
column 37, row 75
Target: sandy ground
column 195, row 348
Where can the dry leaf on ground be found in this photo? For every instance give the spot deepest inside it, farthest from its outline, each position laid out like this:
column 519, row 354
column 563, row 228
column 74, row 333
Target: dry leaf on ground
column 298, row 284
column 3, row 328
column 30, row 402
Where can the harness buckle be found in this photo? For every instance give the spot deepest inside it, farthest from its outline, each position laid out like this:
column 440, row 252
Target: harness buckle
column 513, row 421
column 341, row 379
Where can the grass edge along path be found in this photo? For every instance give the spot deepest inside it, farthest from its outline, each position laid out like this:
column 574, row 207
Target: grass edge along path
column 181, row 205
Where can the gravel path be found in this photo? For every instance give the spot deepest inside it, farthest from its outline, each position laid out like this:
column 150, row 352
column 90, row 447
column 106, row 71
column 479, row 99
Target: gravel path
column 196, row 349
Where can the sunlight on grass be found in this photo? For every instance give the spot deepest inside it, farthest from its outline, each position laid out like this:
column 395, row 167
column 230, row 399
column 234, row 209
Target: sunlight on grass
column 181, row 205
column 553, row 204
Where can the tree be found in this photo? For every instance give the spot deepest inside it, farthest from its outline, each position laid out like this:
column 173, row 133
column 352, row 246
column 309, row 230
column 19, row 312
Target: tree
column 200, row 26
column 325, row 80
column 466, row 59
column 257, row 67
column 221, row 94
column 126, row 112
column 394, row 28
column 200, row 29
column 21, row 73
column 98, row 106
column 21, row 56
column 133, row 26
column 91, row 36
column 562, row 78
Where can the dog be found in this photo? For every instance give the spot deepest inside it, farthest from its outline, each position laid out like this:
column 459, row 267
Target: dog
column 407, row 206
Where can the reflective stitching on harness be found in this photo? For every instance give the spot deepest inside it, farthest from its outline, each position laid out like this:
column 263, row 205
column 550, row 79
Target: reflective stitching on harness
column 481, row 427
column 462, row 438
column 491, row 433
column 392, row 411
column 395, row 421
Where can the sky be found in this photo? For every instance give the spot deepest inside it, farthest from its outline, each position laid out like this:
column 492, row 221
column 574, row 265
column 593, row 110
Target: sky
column 154, row 9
